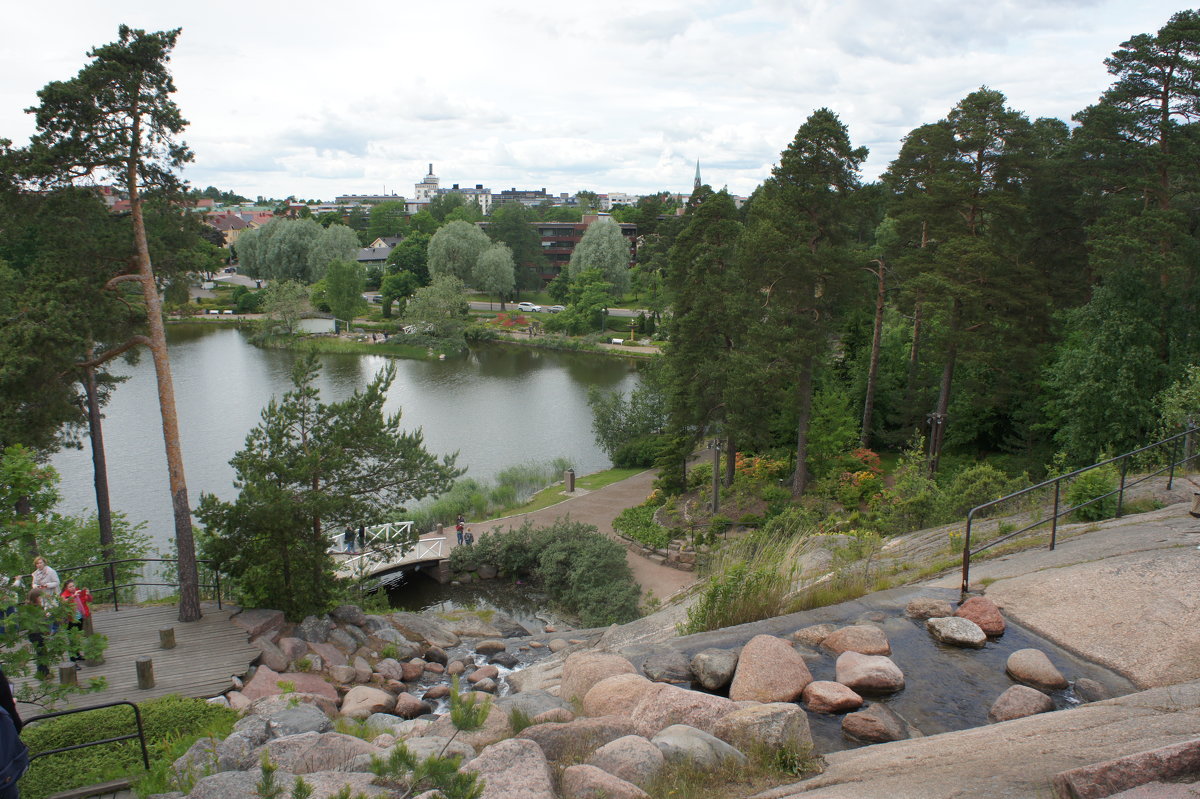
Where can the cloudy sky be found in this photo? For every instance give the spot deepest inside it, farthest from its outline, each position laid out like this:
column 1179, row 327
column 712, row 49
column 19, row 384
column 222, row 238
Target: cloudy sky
column 318, row 99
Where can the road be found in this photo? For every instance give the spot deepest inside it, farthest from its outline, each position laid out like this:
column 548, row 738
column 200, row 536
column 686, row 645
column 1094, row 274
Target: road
column 495, row 306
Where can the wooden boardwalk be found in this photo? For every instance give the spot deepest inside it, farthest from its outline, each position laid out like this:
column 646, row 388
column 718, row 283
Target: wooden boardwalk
column 206, row 654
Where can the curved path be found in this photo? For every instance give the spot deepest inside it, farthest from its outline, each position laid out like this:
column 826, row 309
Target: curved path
column 599, row 508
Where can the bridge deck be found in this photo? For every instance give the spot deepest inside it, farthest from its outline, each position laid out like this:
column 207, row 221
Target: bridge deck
column 206, row 654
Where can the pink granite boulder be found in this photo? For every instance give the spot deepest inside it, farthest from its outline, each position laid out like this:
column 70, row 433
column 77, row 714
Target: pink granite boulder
column 768, row 670
column 983, row 612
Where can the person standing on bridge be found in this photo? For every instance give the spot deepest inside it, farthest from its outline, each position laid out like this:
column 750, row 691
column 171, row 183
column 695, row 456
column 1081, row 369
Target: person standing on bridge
column 348, row 539
column 459, row 526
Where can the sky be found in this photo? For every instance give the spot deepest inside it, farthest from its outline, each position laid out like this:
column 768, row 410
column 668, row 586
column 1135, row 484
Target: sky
column 316, row 99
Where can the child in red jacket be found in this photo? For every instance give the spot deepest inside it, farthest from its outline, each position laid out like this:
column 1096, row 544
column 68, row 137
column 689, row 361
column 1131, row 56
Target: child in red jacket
column 78, row 598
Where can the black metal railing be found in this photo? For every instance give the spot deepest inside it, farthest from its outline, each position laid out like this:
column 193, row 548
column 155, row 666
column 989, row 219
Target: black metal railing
column 140, row 734
column 1174, row 444
column 110, row 577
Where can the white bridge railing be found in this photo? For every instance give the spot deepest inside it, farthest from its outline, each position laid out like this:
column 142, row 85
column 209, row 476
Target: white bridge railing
column 387, row 546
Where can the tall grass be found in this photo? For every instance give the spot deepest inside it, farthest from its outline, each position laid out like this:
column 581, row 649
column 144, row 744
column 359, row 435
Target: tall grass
column 478, row 500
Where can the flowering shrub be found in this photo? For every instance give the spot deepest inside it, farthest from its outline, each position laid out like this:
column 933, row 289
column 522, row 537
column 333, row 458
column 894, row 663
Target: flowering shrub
column 760, row 468
column 854, row 488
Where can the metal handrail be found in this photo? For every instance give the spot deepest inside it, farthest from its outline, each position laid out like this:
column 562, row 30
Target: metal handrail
column 110, row 574
column 140, row 734
column 1057, row 482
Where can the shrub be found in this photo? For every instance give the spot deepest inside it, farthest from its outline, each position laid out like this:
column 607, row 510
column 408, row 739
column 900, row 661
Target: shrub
column 640, row 452
column 638, row 523
column 778, row 500
column 975, row 485
column 1088, row 488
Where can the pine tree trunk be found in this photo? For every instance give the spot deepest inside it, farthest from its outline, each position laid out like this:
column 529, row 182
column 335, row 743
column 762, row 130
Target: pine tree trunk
column 99, row 464
column 730, row 460
column 937, row 433
column 873, row 367
column 804, row 395
column 189, row 578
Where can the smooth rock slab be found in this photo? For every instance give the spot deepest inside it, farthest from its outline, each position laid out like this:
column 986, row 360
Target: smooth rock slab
column 956, row 631
column 663, row 705
column 827, row 696
column 680, row 743
column 632, row 758
column 513, row 769
column 1018, row 702
column 769, row 670
column 612, row 695
column 589, row 782
column 1179, row 761
column 577, row 739
column 1033, row 667
column 778, row 725
column 875, row 724
column 266, row 682
column 868, row 673
column 258, row 621
column 928, row 608
column 866, row 639
column 983, row 612
column 669, row 666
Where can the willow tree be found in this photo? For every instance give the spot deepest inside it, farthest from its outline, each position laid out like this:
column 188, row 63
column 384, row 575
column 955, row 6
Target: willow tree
column 116, row 120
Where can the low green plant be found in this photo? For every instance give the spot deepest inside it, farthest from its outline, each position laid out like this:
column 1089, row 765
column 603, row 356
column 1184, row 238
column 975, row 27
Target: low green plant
column 286, row 686
column 359, row 728
column 1086, row 493
column 519, row 720
column 638, row 523
column 751, row 582
column 303, row 664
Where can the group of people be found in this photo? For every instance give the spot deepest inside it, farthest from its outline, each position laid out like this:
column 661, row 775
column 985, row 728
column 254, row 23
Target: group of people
column 45, row 589
column 464, row 532
column 355, row 542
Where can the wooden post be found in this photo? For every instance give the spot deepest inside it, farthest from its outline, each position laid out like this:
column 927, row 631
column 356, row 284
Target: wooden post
column 67, row 674
column 145, row 673
column 166, row 638
column 88, row 628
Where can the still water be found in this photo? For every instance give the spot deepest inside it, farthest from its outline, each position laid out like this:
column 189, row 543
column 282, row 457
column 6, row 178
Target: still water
column 496, row 407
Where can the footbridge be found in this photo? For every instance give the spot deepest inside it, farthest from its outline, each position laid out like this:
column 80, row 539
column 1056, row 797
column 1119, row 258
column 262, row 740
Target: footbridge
column 387, row 548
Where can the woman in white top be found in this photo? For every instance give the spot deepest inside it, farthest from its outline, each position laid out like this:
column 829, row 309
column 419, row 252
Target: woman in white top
column 44, row 577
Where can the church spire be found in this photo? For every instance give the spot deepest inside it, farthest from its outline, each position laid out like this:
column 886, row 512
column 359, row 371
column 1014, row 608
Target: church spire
column 697, row 184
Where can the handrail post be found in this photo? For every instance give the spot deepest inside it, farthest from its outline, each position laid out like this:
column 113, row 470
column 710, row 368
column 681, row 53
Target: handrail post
column 112, row 574
column 1174, row 458
column 1121, row 492
column 966, row 567
column 217, row 580
column 1054, row 521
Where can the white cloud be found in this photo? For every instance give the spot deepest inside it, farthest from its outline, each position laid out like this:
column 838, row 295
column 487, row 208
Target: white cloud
column 316, row 101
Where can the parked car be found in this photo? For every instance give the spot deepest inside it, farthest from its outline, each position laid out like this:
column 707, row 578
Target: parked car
column 556, row 308
column 528, row 307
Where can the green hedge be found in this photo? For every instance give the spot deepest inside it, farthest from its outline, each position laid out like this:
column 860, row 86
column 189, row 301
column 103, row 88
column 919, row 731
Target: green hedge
column 638, row 523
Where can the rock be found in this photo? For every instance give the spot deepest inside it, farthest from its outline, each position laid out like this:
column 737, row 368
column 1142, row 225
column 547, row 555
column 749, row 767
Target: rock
column 826, row 696
column 680, row 743
column 409, row 707
column 373, row 623
column 514, row 769
column 1033, row 667
column 266, row 707
column 490, row 647
column 506, row 659
column 422, row 628
column 296, row 720
column 413, row 728
column 236, row 752
column 384, row 722
column 1087, row 690
column 330, row 784
column 266, row 682
column 813, row 635
column 928, row 608
column 873, row 674
column 237, row 700
column 507, row 625
column 713, row 668
column 255, row 728
column 293, row 648
column 866, row 639
column 582, row 670
column 200, row 760
column 983, row 612
column 483, row 673
column 487, row 684
column 776, row 725
column 435, row 654
column 632, row 758
column 532, row 703
column 219, row 701
column 487, row 571
column 470, row 625
column 558, row 715
column 663, row 705
column 342, row 640
column 428, row 745
column 342, row 674
column 495, row 728
column 455, row 668
column 270, row 655
column 589, row 782
column 329, row 654
column 617, row 694
column 669, row 666
column 259, row 621
column 1017, row 702
column 349, row 614
column 876, row 724
column 557, row 644
column 437, row 692
column 956, row 631
column 536, row 645
column 314, row 751
column 399, row 647
column 769, row 670
column 363, row 700
column 434, row 668
column 390, row 669
column 412, row 670
column 326, row 784
column 315, row 629
column 578, row 739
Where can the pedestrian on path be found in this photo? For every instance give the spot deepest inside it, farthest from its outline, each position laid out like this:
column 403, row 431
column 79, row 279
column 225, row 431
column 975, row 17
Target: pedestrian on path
column 78, row 599
column 348, row 539
column 470, row 538
column 459, row 526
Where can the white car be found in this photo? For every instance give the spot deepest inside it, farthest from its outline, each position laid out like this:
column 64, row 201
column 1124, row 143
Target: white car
column 529, row 307
column 556, row 309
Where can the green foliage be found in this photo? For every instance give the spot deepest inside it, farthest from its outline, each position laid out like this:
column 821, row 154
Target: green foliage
column 474, row 499
column 439, row 310
column 1088, row 488
column 833, row 430
column 605, row 249
column 974, row 486
column 638, row 523
column 618, row 421
column 455, row 249
column 519, row 720
column 172, row 724
column 344, row 284
column 359, row 728
column 642, row 452
column 750, row 581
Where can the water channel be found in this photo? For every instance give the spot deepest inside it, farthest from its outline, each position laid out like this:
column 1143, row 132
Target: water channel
column 497, row 406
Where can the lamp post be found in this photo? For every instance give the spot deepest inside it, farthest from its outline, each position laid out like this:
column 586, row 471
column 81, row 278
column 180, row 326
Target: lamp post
column 715, row 445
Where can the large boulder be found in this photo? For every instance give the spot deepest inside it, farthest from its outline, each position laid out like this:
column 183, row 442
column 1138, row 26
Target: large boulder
column 409, row 707
column 391, row 639
column 293, row 648
column 698, row 749
column 259, row 621
column 349, row 614
column 614, row 695
column 589, row 782
column 325, row 784
column 532, row 703
column 315, row 751
column 1017, row 702
column 863, row 638
column 363, row 700
column 496, row 727
column 483, row 673
column 582, row 670
column 315, row 629
column 267, row 682
column 776, row 725
column 769, row 670
column 956, row 631
column 873, row 674
column 714, row 668
column 295, row 720
column 421, row 628
column 490, row 646
column 329, row 654
column 428, row 745
column 875, row 724
column 577, row 740
column 514, row 769
column 271, row 655
column 265, row 708
column 201, row 759
column 826, row 696
column 928, row 608
column 390, row 668
column 632, row 758
column 663, row 705
column 1090, row 691
column 983, row 612
column 1033, row 667
column 668, row 665
column 507, row 625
